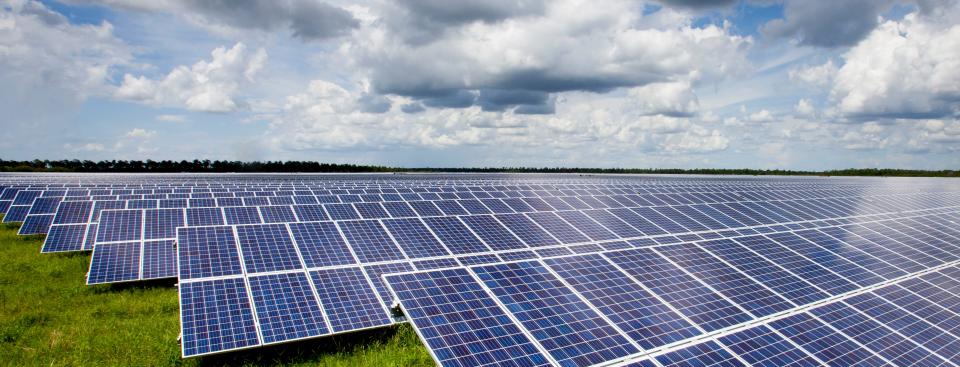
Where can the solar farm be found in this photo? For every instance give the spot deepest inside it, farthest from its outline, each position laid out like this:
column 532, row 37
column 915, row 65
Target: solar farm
column 529, row 270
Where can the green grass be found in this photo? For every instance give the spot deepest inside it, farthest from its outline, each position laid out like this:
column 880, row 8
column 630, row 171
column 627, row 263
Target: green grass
column 49, row 317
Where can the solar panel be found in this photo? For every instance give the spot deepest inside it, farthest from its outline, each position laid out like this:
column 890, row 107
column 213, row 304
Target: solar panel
column 704, row 307
column 619, row 252
column 215, row 315
column 473, row 329
column 568, row 329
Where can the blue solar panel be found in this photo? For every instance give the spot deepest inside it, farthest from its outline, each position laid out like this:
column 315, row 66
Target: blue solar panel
column 162, row 223
column 64, row 238
column 36, row 224
column 472, row 329
column 242, row 215
column 370, row 242
column 267, row 247
column 286, row 307
column 320, row 244
column 707, row 354
column 876, row 337
column 455, row 235
column 762, row 347
column 559, row 228
column 638, row 313
column 853, row 254
column 745, row 292
column 120, row 225
column 414, row 238
column 817, row 254
column 16, row 213
column 277, row 214
column 73, row 212
column 115, row 262
column 205, row 252
column 787, row 285
column 528, row 231
column 825, row 343
column 371, row 210
column 425, row 208
column 892, row 245
column 659, row 220
column 159, row 259
column 587, row 226
column 348, row 299
column 802, row 267
column 204, row 217
column 908, row 325
column 310, row 213
column 498, row 237
column 874, row 249
column 399, row 209
column 704, row 307
column 932, row 306
column 568, row 329
column 215, row 316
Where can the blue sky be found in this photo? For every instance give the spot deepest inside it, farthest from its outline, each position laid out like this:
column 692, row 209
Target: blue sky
column 670, row 83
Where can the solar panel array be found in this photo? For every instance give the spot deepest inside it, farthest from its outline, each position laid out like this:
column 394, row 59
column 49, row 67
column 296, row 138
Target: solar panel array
column 526, row 270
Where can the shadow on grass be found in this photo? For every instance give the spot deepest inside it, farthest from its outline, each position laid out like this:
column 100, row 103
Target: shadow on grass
column 168, row 283
column 305, row 350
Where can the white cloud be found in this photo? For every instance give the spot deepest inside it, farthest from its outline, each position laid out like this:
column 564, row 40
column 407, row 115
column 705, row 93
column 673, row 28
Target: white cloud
column 172, row 118
column 208, row 86
column 804, row 107
column 905, row 68
column 139, row 133
column 763, row 115
column 820, row 75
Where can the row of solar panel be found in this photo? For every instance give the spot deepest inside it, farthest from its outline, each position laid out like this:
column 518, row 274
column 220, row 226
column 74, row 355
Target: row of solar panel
column 217, row 258
column 31, row 198
column 377, row 240
column 589, row 309
column 648, row 221
column 37, row 218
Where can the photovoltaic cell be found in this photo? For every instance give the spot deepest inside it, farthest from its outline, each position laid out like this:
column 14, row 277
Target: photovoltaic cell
column 370, row 241
column 115, row 262
column 760, row 346
column 320, row 244
column 802, row 267
column 526, row 230
column 73, row 212
column 498, row 237
column 204, row 217
column 822, row 257
column 558, row 227
column 215, row 316
column 242, row 215
column 704, row 307
column 64, row 238
column 159, row 259
column 472, row 331
column 876, row 337
column 745, row 292
column 455, row 235
column 266, row 248
column 120, row 225
column 348, row 300
column 637, row 312
column 414, row 237
column 36, row 224
column 162, row 223
column 277, row 214
column 704, row 354
column 205, row 252
column 286, row 308
column 822, row 341
column 568, row 329
column 310, row 213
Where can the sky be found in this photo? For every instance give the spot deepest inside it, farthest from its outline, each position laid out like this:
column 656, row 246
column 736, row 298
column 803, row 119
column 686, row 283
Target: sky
column 789, row 84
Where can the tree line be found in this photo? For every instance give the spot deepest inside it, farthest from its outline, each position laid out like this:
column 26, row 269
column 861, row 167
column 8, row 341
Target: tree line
column 222, row 166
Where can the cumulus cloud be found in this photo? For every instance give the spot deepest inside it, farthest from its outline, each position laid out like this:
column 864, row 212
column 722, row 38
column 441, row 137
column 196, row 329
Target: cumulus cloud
column 209, row 86
column 818, row 75
column 904, row 69
column 305, row 19
column 139, row 133
column 508, row 63
column 172, row 118
column 698, row 4
column 827, row 23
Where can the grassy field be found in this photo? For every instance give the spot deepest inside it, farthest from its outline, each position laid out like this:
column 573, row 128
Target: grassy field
column 48, row 317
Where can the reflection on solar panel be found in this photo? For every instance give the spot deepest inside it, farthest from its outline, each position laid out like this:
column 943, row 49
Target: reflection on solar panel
column 533, row 270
